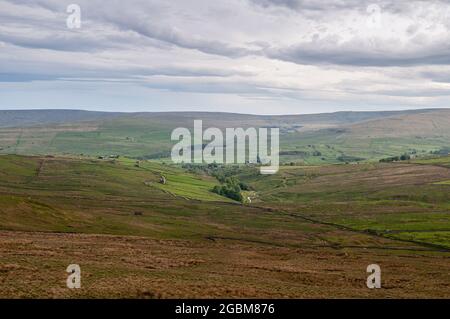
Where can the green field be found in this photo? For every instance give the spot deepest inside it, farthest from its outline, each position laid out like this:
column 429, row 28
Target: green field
column 406, row 201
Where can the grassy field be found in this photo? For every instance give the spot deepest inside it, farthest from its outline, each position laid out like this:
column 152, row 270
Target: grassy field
column 402, row 200
column 310, row 231
column 304, row 139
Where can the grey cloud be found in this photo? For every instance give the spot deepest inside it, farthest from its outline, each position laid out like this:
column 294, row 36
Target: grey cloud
column 291, row 4
column 58, row 42
column 45, row 72
column 206, row 46
column 440, row 77
column 133, row 27
column 415, row 92
column 351, row 53
column 120, row 16
column 25, row 77
column 314, row 53
column 313, row 5
column 397, row 6
column 174, row 37
column 242, row 88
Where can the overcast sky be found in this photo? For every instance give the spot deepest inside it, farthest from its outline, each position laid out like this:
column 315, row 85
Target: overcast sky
column 246, row 56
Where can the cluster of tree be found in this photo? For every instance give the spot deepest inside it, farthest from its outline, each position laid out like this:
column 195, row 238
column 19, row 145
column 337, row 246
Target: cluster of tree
column 403, row 157
column 232, row 188
column 227, row 172
column 212, row 169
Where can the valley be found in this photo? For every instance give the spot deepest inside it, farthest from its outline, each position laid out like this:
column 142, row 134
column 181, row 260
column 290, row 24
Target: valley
column 310, row 233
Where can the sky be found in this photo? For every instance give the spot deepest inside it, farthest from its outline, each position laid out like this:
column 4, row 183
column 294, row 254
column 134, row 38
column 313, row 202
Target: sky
column 244, row 56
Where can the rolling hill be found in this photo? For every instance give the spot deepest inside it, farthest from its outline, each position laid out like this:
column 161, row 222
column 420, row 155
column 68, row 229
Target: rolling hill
column 311, row 233
column 310, row 139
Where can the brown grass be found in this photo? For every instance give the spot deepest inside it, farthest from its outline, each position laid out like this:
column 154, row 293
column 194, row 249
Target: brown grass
column 33, row 265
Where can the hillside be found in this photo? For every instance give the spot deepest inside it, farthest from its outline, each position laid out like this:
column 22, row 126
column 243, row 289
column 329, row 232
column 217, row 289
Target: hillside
column 417, row 134
column 434, row 124
column 310, row 139
column 22, row 118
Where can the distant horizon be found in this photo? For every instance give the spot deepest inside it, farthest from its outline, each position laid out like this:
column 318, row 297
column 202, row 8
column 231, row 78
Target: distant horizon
column 224, row 112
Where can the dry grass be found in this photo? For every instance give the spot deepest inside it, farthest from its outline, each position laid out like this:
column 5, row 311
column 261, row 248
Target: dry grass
column 33, row 265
